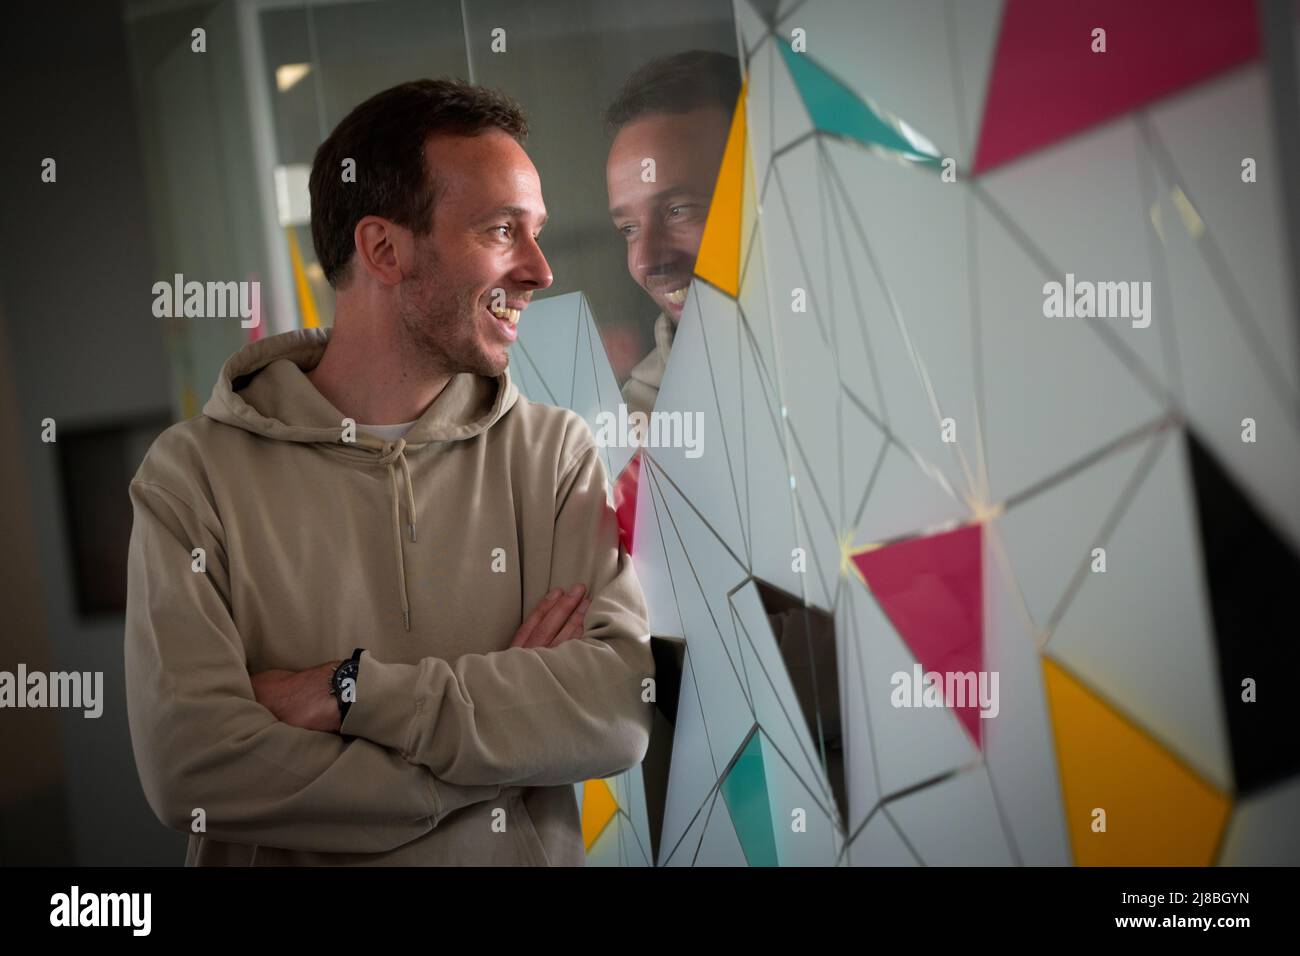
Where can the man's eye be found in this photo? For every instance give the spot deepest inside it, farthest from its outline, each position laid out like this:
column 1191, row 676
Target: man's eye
column 506, row 232
column 627, row 229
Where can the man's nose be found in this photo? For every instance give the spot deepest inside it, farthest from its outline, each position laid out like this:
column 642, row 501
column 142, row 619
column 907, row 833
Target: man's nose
column 652, row 253
column 533, row 270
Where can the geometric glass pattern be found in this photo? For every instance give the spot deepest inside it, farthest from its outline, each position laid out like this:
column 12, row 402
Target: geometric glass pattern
column 899, row 438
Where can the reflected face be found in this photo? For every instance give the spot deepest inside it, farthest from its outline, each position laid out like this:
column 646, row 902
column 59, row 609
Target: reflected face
column 662, row 218
column 487, row 216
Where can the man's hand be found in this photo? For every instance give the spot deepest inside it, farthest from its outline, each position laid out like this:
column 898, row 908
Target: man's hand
column 558, row 617
column 300, row 698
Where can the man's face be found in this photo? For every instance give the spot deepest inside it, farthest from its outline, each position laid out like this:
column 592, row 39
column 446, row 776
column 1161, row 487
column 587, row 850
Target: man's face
column 663, row 220
column 486, row 218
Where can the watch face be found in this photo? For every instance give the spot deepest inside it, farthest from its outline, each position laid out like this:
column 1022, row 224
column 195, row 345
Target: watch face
column 347, row 669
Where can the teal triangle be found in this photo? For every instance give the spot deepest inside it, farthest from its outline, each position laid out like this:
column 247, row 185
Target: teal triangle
column 744, row 788
column 835, row 108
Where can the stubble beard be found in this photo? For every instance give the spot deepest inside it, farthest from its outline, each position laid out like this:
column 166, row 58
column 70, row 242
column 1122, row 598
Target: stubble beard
column 438, row 332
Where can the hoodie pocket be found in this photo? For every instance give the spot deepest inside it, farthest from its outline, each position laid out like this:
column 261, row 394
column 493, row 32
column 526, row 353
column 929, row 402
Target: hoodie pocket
column 523, row 821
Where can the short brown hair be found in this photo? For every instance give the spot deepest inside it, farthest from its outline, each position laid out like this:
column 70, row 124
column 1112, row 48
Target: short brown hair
column 677, row 84
column 385, row 136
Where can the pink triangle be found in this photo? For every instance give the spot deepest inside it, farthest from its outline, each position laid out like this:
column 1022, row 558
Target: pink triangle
column 1046, row 83
column 932, row 590
column 625, row 488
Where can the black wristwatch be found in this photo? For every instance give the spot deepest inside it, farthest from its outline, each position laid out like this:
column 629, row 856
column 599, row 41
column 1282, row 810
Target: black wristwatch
column 347, row 670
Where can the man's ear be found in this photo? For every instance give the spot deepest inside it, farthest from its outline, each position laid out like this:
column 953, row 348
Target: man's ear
column 384, row 249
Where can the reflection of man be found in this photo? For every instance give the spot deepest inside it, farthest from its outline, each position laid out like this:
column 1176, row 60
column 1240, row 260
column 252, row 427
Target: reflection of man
column 674, row 112
column 677, row 112
column 274, row 533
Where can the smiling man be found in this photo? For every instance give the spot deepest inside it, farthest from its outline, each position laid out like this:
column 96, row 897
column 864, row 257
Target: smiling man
column 378, row 612
column 676, row 112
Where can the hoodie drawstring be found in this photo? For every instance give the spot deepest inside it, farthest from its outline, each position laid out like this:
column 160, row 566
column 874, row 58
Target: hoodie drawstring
column 390, row 458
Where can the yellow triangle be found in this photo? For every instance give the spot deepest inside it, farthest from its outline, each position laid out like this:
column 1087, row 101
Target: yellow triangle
column 306, row 303
column 598, row 808
column 718, row 260
column 1158, row 812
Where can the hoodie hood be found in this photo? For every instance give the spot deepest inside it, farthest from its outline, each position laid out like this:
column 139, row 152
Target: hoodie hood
column 263, row 388
column 650, row 370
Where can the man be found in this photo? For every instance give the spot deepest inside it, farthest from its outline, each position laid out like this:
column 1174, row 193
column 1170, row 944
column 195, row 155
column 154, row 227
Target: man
column 677, row 112
column 325, row 659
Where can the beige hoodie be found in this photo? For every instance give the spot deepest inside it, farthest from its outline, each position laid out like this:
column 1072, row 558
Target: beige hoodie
column 314, row 546
column 641, row 389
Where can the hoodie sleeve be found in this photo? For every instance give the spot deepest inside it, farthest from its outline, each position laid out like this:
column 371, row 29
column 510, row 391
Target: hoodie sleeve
column 532, row 716
column 202, row 741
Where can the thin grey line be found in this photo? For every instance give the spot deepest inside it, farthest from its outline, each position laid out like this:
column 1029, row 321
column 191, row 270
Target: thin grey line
column 954, row 63
column 705, row 521
column 705, row 829
column 798, row 501
column 639, row 845
column 703, row 594
column 622, row 850
column 854, row 638
column 538, row 372
column 862, row 406
column 812, row 765
column 789, row 13
column 857, row 296
column 708, row 740
column 322, row 125
column 726, row 447
column 1107, row 529
column 925, row 784
column 717, row 782
column 1121, row 352
column 1002, row 817
column 766, row 387
column 747, row 688
column 585, row 318
column 805, row 272
column 794, row 143
column 912, row 353
column 652, row 488
column 469, row 48
column 1159, row 261
column 871, row 483
column 977, row 338
column 744, row 438
column 820, row 163
column 884, row 811
column 573, row 375
column 830, row 817
column 1087, row 461
column 813, row 480
column 1238, row 306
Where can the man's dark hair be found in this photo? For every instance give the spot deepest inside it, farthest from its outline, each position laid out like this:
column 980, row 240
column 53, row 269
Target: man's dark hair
column 386, row 136
column 677, row 84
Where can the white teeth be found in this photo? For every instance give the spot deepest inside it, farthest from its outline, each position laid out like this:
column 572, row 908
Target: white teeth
column 677, row 297
column 510, row 315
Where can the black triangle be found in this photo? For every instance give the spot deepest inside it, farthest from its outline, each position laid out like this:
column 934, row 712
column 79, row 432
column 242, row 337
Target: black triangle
column 805, row 637
column 1254, row 581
